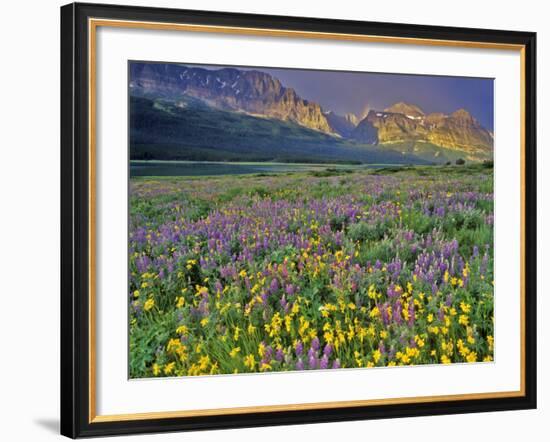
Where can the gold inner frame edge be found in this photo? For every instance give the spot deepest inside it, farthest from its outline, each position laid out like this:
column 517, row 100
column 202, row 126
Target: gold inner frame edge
column 93, row 24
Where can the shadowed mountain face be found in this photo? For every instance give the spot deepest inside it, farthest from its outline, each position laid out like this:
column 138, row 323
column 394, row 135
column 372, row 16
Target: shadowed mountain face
column 189, row 129
column 343, row 125
column 290, row 121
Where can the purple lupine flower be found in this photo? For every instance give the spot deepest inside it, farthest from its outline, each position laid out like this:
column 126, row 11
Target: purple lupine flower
column 429, row 277
column 299, row 348
column 483, row 265
column 268, row 353
column 384, row 312
column 315, row 343
column 327, row 350
column 284, row 272
column 323, row 363
column 312, row 362
column 397, row 310
column 411, row 314
column 274, row 286
column 336, row 363
column 299, row 364
column 390, row 291
column 279, row 355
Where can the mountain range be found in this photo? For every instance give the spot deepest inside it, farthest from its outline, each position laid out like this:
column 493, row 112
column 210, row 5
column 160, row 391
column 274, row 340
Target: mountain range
column 230, row 114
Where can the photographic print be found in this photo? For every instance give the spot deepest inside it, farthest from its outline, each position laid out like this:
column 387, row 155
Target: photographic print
column 288, row 219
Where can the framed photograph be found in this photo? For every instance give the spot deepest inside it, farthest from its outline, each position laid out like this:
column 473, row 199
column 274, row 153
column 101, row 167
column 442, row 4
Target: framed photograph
column 279, row 220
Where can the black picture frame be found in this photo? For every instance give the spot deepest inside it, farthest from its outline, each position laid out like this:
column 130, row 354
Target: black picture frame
column 75, row 220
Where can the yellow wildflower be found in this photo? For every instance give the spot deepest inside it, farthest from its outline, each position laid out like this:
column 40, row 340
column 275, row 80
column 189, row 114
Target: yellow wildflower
column 169, row 368
column 465, row 307
column 250, row 362
column 149, row 304
column 374, row 312
column 204, row 361
column 156, row 369
column 261, row 349
column 236, row 333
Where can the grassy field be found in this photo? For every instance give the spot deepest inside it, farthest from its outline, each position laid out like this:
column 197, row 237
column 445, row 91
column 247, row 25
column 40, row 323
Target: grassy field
column 156, row 168
column 310, row 270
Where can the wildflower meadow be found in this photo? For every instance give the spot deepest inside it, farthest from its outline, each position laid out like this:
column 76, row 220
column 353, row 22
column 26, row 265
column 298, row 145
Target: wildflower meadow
column 310, row 270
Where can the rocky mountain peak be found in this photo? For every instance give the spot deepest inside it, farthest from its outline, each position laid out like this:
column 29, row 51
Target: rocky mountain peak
column 463, row 115
column 406, row 123
column 405, row 109
column 253, row 91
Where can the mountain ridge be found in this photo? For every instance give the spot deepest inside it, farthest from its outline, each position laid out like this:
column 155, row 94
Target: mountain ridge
column 260, row 94
column 458, row 131
column 232, row 89
column 193, row 130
